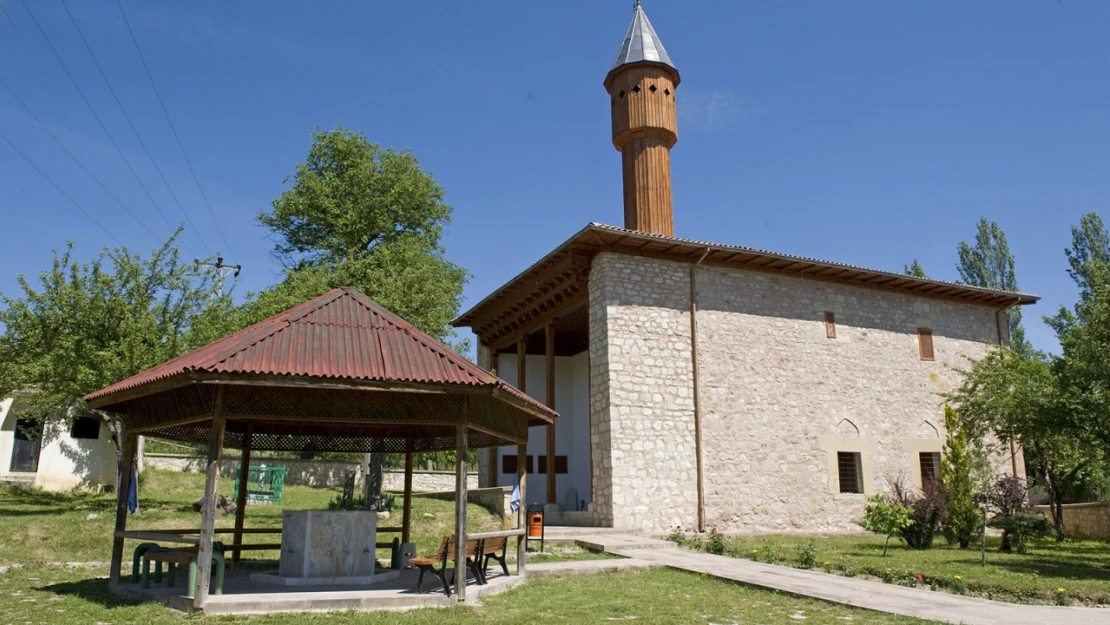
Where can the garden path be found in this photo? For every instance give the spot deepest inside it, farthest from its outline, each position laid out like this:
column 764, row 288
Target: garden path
column 860, row 593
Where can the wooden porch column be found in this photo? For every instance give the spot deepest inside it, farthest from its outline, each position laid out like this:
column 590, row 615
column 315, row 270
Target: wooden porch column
column 208, row 513
column 130, row 443
column 406, row 506
column 549, row 331
column 241, row 496
column 521, row 465
column 460, row 504
column 493, row 472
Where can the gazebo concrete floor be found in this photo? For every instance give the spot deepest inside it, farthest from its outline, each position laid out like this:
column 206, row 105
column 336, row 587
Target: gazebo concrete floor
column 245, row 596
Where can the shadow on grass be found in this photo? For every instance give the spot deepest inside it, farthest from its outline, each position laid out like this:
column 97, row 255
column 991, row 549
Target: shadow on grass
column 1053, row 567
column 91, row 590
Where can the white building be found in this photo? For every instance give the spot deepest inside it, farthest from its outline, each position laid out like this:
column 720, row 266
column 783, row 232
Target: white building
column 56, row 455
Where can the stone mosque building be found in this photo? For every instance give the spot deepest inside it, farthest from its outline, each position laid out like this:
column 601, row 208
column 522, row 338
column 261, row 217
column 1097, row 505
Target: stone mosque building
column 709, row 385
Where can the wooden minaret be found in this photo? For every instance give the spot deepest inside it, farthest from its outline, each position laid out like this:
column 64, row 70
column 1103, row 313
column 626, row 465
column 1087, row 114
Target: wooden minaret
column 642, row 87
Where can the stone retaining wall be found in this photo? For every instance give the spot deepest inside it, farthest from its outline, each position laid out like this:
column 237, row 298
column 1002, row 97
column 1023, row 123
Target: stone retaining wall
column 315, row 472
column 1084, row 520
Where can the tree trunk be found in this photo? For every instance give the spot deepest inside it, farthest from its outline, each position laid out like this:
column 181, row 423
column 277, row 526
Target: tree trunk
column 372, row 485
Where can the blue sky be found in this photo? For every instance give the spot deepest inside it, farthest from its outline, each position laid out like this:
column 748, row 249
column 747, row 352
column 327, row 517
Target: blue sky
column 865, row 132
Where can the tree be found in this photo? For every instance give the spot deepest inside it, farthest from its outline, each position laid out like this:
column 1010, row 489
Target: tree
column 1090, row 248
column 885, row 518
column 915, row 269
column 990, row 264
column 965, row 519
column 1085, row 365
column 95, row 323
column 1009, row 395
column 360, row 215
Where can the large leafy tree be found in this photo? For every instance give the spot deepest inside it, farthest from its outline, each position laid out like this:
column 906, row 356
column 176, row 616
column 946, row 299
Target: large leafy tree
column 90, row 324
column 357, row 214
column 1010, row 395
column 989, row 264
column 1090, row 249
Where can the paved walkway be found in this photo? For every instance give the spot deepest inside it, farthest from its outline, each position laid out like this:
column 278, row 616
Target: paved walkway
column 921, row 603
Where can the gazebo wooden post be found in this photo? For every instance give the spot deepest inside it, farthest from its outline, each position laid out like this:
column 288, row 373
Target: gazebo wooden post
column 127, row 463
column 493, row 468
column 521, row 466
column 406, row 506
column 549, row 333
column 208, row 512
column 241, row 496
column 460, row 503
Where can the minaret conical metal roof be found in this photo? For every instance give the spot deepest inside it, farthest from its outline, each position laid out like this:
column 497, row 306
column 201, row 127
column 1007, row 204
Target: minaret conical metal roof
column 642, row 44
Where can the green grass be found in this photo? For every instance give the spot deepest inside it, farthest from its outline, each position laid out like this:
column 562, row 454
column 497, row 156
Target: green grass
column 1082, row 568
column 40, row 526
column 60, row 596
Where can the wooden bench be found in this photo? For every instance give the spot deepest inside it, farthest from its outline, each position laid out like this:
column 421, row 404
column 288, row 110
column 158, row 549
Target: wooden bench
column 174, row 558
column 491, row 548
column 447, row 552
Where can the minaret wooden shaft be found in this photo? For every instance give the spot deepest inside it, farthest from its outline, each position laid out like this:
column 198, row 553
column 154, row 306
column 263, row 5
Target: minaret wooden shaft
column 645, row 128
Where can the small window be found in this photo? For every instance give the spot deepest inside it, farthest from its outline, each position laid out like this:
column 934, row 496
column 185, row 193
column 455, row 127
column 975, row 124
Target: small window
column 560, row 464
column 508, row 464
column 925, row 343
column 930, row 467
column 830, row 325
column 850, row 470
column 85, row 427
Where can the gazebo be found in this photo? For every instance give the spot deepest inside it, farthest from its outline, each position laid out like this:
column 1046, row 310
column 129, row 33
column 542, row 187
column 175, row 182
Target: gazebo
column 337, row 373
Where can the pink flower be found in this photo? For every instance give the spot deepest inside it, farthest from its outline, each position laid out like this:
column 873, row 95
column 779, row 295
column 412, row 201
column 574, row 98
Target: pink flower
column 918, row 577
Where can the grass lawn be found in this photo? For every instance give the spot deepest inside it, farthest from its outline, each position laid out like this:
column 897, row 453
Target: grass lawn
column 1082, row 568
column 60, row 596
column 39, row 526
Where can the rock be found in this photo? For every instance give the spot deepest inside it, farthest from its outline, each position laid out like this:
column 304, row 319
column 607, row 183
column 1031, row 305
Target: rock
column 429, row 515
column 224, row 505
column 92, row 516
column 383, row 515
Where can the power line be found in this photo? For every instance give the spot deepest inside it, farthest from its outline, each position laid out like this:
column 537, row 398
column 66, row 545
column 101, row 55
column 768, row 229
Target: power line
column 78, row 161
column 6, row 16
column 93, row 111
column 55, row 185
column 138, row 136
column 172, row 128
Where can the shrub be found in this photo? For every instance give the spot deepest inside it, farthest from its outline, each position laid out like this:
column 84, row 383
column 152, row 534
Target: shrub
column 807, row 555
column 959, row 586
column 1022, row 526
column 716, row 543
column 928, row 511
column 677, row 536
column 885, row 519
column 1062, row 597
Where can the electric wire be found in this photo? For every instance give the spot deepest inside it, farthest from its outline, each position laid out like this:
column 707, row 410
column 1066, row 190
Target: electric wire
column 55, row 185
column 180, row 146
column 6, row 16
column 95, row 116
column 138, row 136
column 77, row 160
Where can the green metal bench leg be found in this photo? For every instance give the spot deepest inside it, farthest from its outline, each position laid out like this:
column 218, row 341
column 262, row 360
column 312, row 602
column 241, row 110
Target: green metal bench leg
column 218, row 561
column 171, row 574
column 157, row 572
column 138, row 558
column 146, row 573
column 192, row 578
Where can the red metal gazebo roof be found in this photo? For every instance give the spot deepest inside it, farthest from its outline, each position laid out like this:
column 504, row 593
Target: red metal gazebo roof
column 340, row 335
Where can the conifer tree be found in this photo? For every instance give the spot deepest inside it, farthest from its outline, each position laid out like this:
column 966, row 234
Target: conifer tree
column 965, row 519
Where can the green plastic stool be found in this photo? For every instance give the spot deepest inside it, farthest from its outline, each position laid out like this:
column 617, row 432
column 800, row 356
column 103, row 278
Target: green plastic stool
column 139, row 552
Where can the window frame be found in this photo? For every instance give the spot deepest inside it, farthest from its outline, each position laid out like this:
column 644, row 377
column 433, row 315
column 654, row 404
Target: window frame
column 830, row 324
column 935, row 458
column 926, row 347
column 856, row 459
